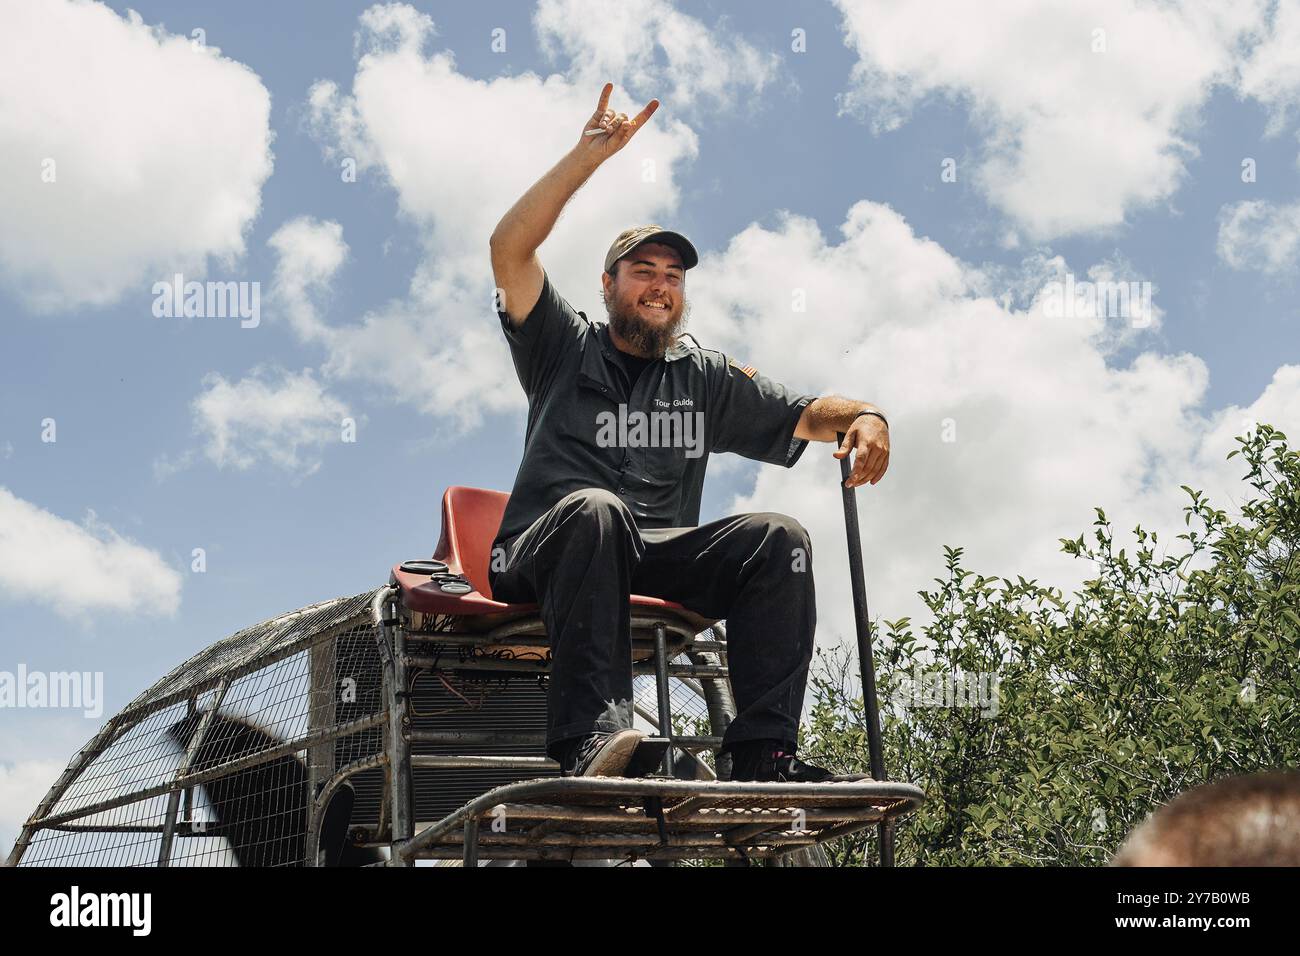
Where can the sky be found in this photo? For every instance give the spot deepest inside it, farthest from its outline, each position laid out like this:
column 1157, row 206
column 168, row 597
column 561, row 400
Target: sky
column 887, row 199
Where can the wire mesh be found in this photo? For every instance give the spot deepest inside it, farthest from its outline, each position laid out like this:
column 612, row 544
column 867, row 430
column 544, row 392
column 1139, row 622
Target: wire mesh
column 690, row 713
column 224, row 752
column 218, row 762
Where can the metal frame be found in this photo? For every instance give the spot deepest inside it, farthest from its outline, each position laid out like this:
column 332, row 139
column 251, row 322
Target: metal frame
column 208, row 675
column 577, row 818
column 654, row 818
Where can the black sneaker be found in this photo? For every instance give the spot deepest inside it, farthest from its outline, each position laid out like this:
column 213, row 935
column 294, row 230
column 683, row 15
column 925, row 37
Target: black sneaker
column 600, row 754
column 766, row 761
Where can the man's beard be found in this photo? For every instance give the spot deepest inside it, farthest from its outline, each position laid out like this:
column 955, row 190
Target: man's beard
column 651, row 340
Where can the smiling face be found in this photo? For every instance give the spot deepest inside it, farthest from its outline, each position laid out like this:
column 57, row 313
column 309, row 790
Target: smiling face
column 646, row 299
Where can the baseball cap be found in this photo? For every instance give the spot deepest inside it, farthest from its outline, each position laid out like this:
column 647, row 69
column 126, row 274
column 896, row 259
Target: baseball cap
column 629, row 239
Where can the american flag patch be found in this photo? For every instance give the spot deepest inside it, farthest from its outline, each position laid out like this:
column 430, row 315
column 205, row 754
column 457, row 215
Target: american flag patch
column 744, row 369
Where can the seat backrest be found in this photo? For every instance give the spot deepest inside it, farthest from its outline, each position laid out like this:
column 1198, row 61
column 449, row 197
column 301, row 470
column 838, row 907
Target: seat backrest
column 470, row 519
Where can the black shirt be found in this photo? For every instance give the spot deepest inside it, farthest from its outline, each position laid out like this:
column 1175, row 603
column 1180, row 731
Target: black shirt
column 632, row 364
column 647, row 439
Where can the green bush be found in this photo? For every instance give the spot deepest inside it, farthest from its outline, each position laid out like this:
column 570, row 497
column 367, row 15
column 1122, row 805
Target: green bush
column 1164, row 671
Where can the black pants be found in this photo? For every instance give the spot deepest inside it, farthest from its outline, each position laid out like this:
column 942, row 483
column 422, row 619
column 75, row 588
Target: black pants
column 582, row 559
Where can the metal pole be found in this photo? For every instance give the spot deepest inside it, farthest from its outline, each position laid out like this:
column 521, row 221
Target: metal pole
column 665, row 700
column 187, row 764
column 653, row 720
column 322, row 696
column 389, row 628
column 470, row 851
column 866, row 663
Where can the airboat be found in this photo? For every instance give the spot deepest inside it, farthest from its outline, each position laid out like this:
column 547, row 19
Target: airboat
column 406, row 724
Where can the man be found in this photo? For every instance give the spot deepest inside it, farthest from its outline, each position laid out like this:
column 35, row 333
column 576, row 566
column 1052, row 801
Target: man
column 1252, row 820
column 621, row 419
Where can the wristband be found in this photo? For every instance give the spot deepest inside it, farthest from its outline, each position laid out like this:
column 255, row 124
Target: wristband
column 868, row 411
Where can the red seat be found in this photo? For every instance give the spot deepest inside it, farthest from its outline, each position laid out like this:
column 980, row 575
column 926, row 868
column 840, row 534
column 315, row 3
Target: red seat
column 470, row 519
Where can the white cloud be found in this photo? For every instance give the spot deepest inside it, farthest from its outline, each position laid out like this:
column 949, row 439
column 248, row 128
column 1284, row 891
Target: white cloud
column 111, row 572
column 429, row 131
column 656, row 50
column 1045, row 427
column 159, row 149
column 310, row 252
column 1278, row 405
column 1073, row 140
column 276, row 416
column 1271, row 73
column 1260, row 235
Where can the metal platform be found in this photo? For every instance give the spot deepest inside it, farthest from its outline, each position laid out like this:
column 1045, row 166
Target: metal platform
column 585, row 818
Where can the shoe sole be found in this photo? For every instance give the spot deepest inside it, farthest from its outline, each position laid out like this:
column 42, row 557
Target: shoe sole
column 612, row 759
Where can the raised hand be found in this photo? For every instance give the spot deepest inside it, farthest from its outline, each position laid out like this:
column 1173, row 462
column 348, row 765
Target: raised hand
column 607, row 131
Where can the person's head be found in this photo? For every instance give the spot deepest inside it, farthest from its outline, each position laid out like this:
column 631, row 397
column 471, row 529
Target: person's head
column 1238, row 821
column 644, row 289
